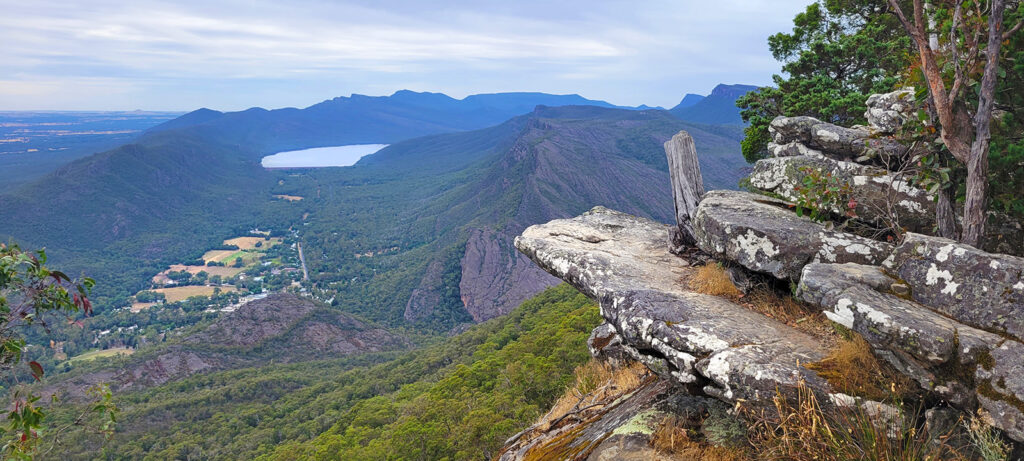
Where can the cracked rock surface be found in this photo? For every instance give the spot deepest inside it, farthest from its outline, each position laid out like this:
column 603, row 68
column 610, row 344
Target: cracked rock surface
column 763, row 235
column 965, row 366
column 981, row 289
column 695, row 339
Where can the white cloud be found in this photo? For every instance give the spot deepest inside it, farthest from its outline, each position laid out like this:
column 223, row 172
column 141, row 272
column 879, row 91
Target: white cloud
column 628, row 52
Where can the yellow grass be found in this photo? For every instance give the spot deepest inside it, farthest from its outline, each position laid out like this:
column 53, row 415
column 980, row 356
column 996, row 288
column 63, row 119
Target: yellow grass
column 711, row 279
column 595, row 382
column 853, row 369
column 225, row 271
column 671, row 438
column 176, row 294
column 290, row 198
column 92, row 355
column 138, row 307
column 249, row 243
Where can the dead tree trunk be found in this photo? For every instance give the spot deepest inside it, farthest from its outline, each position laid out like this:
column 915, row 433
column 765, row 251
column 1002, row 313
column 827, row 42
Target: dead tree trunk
column 687, row 187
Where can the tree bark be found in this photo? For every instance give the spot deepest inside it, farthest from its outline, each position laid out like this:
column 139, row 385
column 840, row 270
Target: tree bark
column 687, row 187
column 977, row 164
column 945, row 216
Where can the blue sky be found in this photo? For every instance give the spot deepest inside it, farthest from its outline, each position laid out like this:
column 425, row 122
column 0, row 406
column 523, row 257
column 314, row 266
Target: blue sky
column 230, row 55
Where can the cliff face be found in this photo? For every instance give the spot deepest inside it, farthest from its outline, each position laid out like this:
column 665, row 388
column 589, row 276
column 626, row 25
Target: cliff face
column 561, row 162
column 946, row 316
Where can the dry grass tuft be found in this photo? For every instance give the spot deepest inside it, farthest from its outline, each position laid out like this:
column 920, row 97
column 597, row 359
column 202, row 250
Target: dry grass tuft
column 597, row 384
column 802, row 430
column 711, row 279
column 673, row 439
column 853, row 369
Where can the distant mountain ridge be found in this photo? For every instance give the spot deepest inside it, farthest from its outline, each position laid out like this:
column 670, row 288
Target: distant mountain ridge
column 719, row 107
column 360, row 119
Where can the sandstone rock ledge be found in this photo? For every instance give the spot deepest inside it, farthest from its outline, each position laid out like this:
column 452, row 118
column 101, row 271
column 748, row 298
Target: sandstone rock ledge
column 698, row 340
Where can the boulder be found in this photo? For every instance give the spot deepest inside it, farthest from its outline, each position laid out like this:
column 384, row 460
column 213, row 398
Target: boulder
column 841, row 143
column 694, row 339
column 963, row 365
column 918, row 342
column 980, row 289
column 887, row 112
column 763, row 235
column 882, row 198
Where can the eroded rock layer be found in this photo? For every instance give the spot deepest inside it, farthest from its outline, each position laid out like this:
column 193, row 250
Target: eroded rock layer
column 699, row 340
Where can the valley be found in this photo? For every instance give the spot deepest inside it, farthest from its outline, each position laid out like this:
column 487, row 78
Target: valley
column 217, row 262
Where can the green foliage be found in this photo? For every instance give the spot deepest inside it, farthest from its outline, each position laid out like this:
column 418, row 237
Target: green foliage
column 839, row 52
column 30, row 292
column 820, row 193
column 455, row 399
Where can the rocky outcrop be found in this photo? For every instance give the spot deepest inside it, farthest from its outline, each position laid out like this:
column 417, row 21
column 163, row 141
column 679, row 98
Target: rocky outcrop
column 699, row 340
column 763, row 235
column 966, row 366
column 803, row 135
column 977, row 288
column 887, row 112
column 880, row 198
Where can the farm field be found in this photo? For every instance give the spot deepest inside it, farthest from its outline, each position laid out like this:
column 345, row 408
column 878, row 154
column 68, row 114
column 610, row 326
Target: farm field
column 225, row 271
column 138, row 307
column 176, row 294
column 249, row 243
column 91, row 355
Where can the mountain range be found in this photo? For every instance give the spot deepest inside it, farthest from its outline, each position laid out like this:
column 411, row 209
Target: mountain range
column 184, row 185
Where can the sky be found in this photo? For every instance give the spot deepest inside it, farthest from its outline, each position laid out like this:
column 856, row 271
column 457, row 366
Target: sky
column 231, row 55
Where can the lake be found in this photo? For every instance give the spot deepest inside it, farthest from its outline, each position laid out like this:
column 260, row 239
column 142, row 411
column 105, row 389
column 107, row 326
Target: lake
column 321, row 156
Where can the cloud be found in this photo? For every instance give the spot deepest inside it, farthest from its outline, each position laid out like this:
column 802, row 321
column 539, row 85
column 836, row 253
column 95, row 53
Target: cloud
column 178, row 55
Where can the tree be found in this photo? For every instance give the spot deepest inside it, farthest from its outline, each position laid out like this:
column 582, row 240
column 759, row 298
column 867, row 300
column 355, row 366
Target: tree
column 951, row 39
column 839, row 52
column 30, row 292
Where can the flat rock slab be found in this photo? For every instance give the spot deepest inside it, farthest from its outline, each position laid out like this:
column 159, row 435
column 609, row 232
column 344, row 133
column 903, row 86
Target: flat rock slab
column 624, row 262
column 763, row 235
column 984, row 290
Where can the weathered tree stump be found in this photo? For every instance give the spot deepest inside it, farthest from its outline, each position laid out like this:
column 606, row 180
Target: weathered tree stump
column 687, row 188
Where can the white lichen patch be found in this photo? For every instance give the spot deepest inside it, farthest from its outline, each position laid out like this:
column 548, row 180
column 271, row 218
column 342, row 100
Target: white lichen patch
column 899, row 185
column 860, row 180
column 830, row 244
column 934, row 274
column 1019, row 286
column 994, row 264
column 751, row 244
column 911, row 206
column 842, row 314
column 827, row 135
column 944, row 252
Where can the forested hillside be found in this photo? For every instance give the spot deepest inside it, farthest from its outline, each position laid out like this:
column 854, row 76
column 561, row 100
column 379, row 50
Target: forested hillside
column 460, row 398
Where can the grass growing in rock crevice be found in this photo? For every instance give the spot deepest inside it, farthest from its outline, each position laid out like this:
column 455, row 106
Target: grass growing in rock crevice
column 853, row 369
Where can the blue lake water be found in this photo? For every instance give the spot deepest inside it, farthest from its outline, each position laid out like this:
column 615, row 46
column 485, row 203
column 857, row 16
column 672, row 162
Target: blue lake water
column 321, row 156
